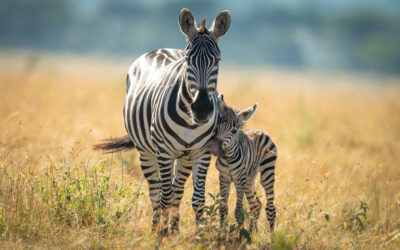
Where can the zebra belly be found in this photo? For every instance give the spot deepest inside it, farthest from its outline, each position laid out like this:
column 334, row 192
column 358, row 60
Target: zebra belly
column 137, row 125
column 144, row 82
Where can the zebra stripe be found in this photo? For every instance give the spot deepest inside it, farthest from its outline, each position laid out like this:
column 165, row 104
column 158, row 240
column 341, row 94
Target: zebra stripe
column 242, row 156
column 170, row 114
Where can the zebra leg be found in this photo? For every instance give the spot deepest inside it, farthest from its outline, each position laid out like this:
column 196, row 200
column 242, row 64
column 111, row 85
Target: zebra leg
column 183, row 168
column 268, row 180
column 165, row 163
column 224, row 187
column 239, row 213
column 200, row 161
column 254, row 203
column 149, row 165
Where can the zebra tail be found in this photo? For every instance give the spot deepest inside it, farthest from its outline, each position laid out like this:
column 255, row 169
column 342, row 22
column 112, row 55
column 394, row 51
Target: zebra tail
column 113, row 145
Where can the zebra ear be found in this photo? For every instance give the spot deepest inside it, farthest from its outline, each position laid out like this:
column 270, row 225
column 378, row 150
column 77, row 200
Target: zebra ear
column 187, row 22
column 222, row 105
column 221, row 24
column 245, row 115
column 220, row 97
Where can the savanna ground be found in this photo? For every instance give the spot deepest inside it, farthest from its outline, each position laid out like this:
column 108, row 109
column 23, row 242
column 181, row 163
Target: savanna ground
column 337, row 176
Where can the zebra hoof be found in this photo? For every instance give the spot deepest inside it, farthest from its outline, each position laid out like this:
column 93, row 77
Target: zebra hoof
column 253, row 228
column 174, row 230
column 155, row 228
column 163, row 232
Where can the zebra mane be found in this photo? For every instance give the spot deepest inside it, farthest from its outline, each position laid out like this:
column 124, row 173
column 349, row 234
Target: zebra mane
column 201, row 38
column 230, row 114
column 202, row 25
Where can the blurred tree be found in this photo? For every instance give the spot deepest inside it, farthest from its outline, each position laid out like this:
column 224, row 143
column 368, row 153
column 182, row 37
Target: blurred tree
column 361, row 35
column 38, row 23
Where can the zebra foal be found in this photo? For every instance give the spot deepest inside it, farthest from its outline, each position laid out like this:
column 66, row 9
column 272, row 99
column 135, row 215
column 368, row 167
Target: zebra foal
column 241, row 155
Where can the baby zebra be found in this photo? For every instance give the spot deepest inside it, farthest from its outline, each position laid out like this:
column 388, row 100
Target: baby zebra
column 241, row 155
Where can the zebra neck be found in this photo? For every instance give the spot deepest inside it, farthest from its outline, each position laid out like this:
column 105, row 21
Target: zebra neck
column 178, row 106
column 231, row 152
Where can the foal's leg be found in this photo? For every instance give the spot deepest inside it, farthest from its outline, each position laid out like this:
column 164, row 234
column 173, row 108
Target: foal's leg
column 240, row 186
column 268, row 180
column 224, row 187
column 254, row 202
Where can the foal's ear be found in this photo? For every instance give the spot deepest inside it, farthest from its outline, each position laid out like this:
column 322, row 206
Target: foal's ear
column 221, row 24
column 222, row 107
column 187, row 23
column 245, row 115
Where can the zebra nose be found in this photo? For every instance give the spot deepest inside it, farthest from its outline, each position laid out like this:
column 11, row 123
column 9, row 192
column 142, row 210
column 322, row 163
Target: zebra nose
column 202, row 107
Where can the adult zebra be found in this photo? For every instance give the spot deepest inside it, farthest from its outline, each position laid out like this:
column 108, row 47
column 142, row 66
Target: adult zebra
column 170, row 114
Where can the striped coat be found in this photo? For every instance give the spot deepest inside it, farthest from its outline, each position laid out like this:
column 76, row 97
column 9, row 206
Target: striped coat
column 241, row 156
column 170, row 114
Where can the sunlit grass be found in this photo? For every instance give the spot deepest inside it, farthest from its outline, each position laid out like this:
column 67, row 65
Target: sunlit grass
column 337, row 176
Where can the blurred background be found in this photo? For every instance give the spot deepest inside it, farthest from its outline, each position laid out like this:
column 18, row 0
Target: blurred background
column 326, row 76
column 357, row 35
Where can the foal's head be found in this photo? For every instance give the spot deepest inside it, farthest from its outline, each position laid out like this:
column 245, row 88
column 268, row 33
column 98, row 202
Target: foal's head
column 230, row 123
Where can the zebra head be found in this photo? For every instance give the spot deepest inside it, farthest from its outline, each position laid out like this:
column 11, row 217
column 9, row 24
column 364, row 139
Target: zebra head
column 230, row 122
column 202, row 56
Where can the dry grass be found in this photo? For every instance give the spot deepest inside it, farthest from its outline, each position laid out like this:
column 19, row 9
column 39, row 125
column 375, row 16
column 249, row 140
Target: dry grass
column 338, row 139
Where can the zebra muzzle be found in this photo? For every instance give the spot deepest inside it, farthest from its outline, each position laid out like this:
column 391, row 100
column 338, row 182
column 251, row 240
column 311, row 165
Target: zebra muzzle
column 202, row 108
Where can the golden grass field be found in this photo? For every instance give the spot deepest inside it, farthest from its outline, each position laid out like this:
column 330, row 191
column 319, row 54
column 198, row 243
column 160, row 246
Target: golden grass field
column 338, row 139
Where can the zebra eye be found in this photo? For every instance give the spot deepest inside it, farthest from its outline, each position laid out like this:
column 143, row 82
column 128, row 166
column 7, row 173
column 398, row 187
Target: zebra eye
column 194, row 87
column 234, row 131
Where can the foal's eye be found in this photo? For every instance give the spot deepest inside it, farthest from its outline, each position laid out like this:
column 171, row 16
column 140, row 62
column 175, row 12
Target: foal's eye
column 234, row 131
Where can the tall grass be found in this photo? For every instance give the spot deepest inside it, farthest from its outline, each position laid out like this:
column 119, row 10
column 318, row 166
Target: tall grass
column 337, row 176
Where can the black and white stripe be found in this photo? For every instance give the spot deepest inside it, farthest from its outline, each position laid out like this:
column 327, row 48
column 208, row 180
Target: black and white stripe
column 170, row 114
column 241, row 155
